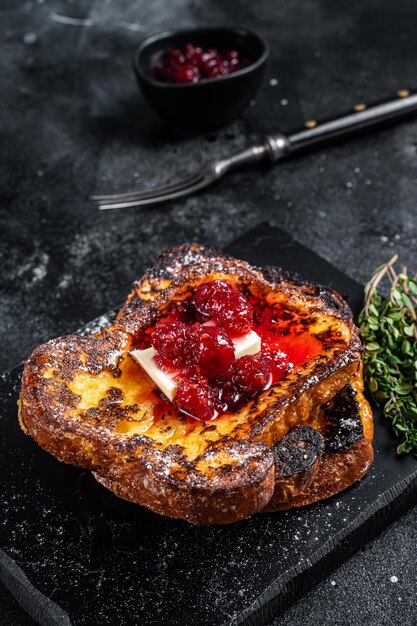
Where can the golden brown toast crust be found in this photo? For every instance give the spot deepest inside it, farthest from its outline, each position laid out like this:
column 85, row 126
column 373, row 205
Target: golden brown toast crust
column 83, row 399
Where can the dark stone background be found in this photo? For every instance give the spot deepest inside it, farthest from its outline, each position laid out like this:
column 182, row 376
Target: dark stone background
column 73, row 123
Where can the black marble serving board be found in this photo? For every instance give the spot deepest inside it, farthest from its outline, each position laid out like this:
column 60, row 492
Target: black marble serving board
column 72, row 553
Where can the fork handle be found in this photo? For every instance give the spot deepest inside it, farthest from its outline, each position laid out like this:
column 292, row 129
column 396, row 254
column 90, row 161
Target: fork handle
column 363, row 117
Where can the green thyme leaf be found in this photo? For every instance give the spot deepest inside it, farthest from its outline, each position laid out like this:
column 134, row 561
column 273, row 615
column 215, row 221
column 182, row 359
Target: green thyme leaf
column 372, row 346
column 389, row 332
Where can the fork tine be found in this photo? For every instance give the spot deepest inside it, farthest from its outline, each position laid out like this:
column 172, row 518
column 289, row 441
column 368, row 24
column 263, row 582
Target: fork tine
column 135, row 195
column 206, row 175
column 142, row 199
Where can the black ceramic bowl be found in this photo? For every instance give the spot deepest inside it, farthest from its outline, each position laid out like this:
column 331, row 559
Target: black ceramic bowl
column 210, row 103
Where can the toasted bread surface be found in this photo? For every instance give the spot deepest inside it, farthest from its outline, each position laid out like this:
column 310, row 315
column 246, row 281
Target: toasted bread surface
column 87, row 402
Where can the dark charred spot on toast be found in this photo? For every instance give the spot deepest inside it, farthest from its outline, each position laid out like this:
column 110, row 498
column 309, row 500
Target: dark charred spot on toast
column 335, row 301
column 103, row 353
column 109, row 412
column 61, row 393
column 50, row 355
column 114, row 397
column 96, row 362
column 109, row 416
column 67, row 356
column 343, row 421
column 277, row 275
column 297, row 452
column 208, row 427
column 329, row 335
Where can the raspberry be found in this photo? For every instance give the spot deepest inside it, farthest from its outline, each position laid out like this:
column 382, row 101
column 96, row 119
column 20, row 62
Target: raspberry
column 232, row 54
column 250, row 374
column 234, row 313
column 212, row 350
column 231, row 396
column 278, row 363
column 190, row 50
column 186, row 73
column 196, row 398
column 203, row 297
column 246, row 378
column 181, row 311
column 175, row 57
column 170, row 340
column 228, row 306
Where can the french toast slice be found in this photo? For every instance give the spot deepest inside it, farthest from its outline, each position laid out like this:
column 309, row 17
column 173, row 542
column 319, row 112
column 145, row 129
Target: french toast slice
column 85, row 400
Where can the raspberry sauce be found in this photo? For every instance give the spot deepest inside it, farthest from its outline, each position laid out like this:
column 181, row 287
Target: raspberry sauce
column 284, row 342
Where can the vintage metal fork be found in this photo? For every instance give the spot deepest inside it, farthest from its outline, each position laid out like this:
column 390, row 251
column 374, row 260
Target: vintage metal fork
column 274, row 148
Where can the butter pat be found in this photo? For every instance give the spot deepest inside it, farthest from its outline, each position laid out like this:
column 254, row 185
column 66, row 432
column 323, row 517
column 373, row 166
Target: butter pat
column 165, row 381
column 248, row 344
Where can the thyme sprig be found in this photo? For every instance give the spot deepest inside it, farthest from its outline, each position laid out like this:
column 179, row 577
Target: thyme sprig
column 389, row 331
